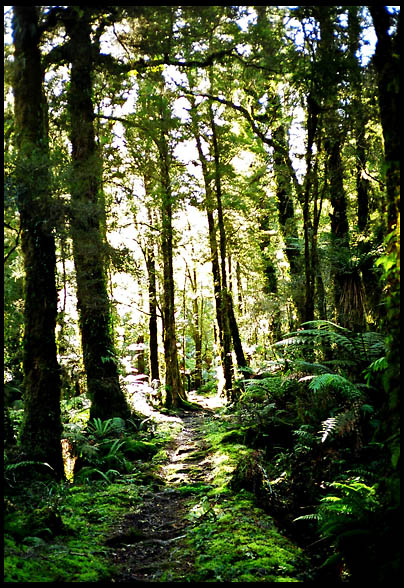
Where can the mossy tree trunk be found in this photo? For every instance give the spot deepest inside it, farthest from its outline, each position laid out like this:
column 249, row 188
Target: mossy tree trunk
column 387, row 60
column 41, row 430
column 107, row 398
column 153, row 331
column 175, row 393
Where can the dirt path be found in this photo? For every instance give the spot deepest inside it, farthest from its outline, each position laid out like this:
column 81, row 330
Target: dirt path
column 147, row 539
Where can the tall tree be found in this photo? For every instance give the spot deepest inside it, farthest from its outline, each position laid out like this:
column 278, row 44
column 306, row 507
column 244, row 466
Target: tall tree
column 107, row 398
column 387, row 66
column 359, row 115
column 230, row 327
column 224, row 341
column 387, row 63
column 175, row 393
column 41, row 431
column 268, row 42
column 153, row 330
column 196, row 325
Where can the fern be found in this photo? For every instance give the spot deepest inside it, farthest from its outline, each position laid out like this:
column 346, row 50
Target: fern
column 314, row 516
column 101, row 428
column 346, row 511
column 14, row 466
column 358, row 348
column 327, row 427
column 335, row 382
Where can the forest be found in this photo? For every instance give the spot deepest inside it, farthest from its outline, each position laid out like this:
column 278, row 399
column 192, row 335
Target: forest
column 201, row 294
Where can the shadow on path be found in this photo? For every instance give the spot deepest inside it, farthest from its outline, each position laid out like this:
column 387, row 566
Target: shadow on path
column 147, row 540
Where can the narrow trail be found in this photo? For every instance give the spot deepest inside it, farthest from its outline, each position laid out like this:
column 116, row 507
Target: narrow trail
column 147, row 539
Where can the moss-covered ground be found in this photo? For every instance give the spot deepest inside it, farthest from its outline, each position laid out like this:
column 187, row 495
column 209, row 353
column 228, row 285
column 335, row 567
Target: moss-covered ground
column 176, row 516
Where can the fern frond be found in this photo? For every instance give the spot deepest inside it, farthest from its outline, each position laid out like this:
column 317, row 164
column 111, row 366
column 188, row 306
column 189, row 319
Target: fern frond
column 304, row 435
column 21, row 464
column 307, row 365
column 315, row 516
column 323, row 324
column 293, row 340
column 356, row 347
column 327, row 427
column 325, row 382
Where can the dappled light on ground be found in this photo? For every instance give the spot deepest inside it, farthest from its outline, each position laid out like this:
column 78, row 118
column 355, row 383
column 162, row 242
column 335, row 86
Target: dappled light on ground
column 192, row 527
column 143, row 399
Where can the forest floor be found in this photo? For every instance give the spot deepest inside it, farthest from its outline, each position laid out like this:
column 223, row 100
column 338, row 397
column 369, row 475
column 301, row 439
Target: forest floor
column 175, row 516
column 192, row 527
column 147, row 540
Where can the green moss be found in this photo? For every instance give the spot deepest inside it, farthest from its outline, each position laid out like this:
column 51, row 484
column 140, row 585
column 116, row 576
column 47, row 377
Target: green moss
column 75, row 549
column 135, row 449
column 237, row 542
column 234, row 436
column 197, row 488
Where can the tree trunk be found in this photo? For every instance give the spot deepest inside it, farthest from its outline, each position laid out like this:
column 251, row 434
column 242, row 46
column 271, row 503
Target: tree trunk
column 347, row 284
column 230, row 328
column 224, row 343
column 107, row 398
column 312, row 122
column 41, row 430
column 153, row 332
column 286, row 216
column 175, row 393
column 196, row 329
column 387, row 62
column 387, row 59
column 270, row 288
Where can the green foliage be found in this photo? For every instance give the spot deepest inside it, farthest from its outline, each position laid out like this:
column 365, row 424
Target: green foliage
column 99, row 428
column 352, row 351
column 315, row 420
column 13, row 472
column 351, row 518
column 62, row 538
column 233, row 541
column 106, row 450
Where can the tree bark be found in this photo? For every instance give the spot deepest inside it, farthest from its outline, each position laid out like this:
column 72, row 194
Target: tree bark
column 42, row 428
column 387, row 59
column 107, row 398
column 175, row 393
column 230, row 327
column 387, row 62
column 153, row 331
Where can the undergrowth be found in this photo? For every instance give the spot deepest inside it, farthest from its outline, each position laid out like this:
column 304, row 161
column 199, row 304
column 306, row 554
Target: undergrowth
column 299, row 485
column 321, row 467
column 55, row 532
column 61, row 539
column 230, row 538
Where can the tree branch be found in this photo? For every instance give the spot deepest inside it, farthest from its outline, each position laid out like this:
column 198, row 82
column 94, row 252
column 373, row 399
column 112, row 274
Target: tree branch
column 18, row 231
